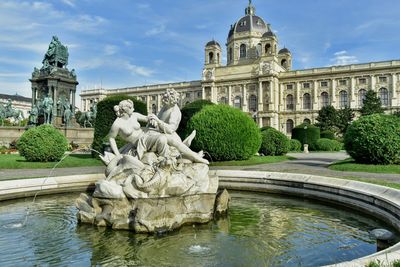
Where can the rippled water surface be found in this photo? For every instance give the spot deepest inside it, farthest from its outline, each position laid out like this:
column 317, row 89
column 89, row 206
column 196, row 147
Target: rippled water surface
column 261, row 230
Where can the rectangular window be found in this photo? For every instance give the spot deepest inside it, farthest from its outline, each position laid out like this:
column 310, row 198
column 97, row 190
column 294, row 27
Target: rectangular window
column 187, row 95
column 362, row 81
column 199, row 94
column 383, row 79
column 289, row 86
column 324, row 84
column 342, row 82
column 306, row 85
column 153, row 97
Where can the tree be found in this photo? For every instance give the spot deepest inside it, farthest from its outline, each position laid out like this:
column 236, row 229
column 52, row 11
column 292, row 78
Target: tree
column 344, row 118
column 327, row 118
column 371, row 104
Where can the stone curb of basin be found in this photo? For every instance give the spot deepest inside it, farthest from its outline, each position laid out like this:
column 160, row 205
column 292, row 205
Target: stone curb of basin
column 379, row 201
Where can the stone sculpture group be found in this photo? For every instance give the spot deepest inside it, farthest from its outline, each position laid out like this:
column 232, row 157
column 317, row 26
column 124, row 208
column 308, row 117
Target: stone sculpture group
column 155, row 182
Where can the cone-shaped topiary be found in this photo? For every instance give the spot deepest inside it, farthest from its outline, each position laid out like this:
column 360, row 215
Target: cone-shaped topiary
column 274, row 143
column 106, row 116
column 374, row 139
column 42, row 143
column 225, row 133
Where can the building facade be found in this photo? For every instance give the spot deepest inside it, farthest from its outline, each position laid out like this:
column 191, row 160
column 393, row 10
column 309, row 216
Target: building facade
column 258, row 79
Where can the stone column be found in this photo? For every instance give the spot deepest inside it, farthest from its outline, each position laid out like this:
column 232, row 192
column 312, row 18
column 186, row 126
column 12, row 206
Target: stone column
column 244, row 104
column 73, row 103
column 352, row 93
column 33, row 96
column 213, row 94
column 373, row 82
column 260, row 98
column 148, row 104
column 159, row 102
column 314, row 96
column 281, row 101
column 333, row 93
column 394, row 88
column 203, row 93
column 297, row 96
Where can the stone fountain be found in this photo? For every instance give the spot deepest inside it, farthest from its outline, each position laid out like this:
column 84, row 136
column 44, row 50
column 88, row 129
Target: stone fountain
column 155, row 183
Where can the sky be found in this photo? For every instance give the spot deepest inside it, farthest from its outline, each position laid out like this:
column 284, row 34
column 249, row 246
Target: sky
column 123, row 43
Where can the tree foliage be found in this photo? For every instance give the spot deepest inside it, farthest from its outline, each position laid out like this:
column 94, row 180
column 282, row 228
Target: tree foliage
column 327, row 118
column 371, row 104
column 43, row 143
column 374, row 139
column 225, row 133
column 188, row 111
column 274, row 143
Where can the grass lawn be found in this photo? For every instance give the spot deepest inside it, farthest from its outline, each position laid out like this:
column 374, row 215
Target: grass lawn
column 252, row 161
column 15, row 161
column 350, row 165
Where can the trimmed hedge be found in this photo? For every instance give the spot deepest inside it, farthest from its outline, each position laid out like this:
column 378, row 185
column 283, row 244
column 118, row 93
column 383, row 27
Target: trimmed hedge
column 43, row 143
column 374, row 139
column 306, row 136
column 106, row 116
column 188, row 112
column 327, row 134
column 325, row 144
column 295, row 145
column 274, row 143
column 225, row 133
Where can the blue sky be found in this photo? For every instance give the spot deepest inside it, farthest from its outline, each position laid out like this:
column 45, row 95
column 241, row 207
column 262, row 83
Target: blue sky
column 125, row 43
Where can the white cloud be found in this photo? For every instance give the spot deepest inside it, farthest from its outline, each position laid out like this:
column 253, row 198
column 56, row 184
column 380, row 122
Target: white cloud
column 342, row 58
column 156, row 30
column 138, row 70
column 85, row 23
column 70, row 3
column 12, row 75
column 110, row 50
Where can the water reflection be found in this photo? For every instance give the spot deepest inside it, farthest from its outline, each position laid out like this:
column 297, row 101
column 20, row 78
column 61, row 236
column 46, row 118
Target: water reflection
column 261, row 230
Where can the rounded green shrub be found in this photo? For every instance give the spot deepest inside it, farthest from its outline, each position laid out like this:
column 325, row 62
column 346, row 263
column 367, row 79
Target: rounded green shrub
column 307, row 136
column 374, row 139
column 295, row 145
column 188, row 112
column 274, row 143
column 42, row 143
column 325, row 144
column 225, row 133
column 327, row 134
column 106, row 116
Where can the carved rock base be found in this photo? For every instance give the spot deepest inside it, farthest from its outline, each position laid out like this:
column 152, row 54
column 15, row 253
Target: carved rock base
column 146, row 215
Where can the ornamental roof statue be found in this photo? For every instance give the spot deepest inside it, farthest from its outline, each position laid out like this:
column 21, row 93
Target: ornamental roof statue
column 56, row 55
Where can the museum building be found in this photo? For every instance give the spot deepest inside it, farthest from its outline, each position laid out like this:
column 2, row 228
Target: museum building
column 258, row 79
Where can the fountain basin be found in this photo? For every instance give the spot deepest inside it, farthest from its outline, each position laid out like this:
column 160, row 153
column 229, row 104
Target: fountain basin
column 378, row 201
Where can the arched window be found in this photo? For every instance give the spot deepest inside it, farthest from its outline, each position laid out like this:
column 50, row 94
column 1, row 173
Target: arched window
column 223, row 100
column 259, row 47
column 187, row 102
column 284, row 63
column 242, row 51
column 324, row 99
column 154, row 109
column 289, row 126
column 343, row 99
column 268, row 49
column 361, row 97
column 217, row 57
column 253, row 103
column 307, row 121
column 384, row 96
column 289, row 102
column 210, row 57
column 237, row 102
column 307, row 101
column 230, row 54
